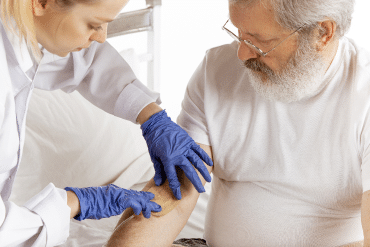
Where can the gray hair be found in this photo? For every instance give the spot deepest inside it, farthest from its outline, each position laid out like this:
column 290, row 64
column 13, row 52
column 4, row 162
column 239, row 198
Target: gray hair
column 293, row 14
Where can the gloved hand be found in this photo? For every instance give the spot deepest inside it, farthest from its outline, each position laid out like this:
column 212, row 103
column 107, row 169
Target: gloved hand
column 110, row 200
column 170, row 146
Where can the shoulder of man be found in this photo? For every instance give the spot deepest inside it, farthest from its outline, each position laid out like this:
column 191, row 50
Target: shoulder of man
column 223, row 52
column 359, row 56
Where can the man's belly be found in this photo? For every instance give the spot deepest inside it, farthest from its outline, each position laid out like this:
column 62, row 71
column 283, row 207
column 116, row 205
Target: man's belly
column 249, row 214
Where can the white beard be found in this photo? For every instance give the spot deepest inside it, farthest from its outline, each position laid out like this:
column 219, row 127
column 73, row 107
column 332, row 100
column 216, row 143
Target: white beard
column 301, row 77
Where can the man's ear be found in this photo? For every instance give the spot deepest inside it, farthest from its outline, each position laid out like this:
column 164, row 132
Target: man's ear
column 326, row 33
column 39, row 7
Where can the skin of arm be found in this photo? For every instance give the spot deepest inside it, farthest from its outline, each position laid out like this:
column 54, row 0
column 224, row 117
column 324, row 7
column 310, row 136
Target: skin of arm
column 365, row 217
column 159, row 231
column 147, row 112
column 73, row 203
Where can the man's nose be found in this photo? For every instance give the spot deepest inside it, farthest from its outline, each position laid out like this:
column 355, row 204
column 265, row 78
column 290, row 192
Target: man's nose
column 245, row 52
column 101, row 35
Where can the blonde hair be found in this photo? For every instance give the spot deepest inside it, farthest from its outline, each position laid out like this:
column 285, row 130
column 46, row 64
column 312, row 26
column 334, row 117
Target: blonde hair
column 17, row 17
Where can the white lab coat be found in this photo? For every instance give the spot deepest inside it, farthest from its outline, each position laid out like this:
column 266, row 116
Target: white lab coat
column 101, row 75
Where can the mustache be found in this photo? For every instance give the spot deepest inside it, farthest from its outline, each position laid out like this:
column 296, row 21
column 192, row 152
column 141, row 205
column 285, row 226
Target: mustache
column 258, row 66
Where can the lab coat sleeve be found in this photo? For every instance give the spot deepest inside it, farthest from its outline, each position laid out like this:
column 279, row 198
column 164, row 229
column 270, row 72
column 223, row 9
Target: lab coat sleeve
column 101, row 75
column 42, row 221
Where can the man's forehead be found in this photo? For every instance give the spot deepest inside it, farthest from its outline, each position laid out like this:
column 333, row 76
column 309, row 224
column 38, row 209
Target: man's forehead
column 256, row 20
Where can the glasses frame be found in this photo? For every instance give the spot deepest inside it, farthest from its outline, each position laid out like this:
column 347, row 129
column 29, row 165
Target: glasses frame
column 250, row 44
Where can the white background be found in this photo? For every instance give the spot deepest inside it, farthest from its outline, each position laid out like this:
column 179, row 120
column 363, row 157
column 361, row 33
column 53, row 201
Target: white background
column 190, row 27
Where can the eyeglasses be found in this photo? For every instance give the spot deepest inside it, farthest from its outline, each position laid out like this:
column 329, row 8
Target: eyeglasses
column 249, row 43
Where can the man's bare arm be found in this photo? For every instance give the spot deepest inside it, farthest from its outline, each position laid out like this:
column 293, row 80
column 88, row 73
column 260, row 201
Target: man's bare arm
column 159, row 231
column 365, row 217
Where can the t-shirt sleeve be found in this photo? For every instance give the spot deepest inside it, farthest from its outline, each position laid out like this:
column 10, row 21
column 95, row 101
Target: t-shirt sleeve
column 362, row 115
column 192, row 116
column 364, row 150
column 366, row 170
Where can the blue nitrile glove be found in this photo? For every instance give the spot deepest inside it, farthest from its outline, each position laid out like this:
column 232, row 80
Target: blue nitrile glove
column 110, row 200
column 170, row 146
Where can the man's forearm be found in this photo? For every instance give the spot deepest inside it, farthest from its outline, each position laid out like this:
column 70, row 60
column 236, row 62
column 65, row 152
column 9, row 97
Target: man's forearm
column 156, row 231
column 159, row 231
column 356, row 244
column 365, row 217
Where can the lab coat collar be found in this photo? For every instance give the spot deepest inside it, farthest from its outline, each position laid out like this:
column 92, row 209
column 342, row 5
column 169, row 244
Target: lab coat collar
column 21, row 51
column 13, row 64
column 49, row 57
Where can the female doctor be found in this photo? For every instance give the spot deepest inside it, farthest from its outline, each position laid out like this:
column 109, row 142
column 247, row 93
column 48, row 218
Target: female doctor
column 60, row 44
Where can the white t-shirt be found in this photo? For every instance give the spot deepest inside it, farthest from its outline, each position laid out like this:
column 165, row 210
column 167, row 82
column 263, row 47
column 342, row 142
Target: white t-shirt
column 285, row 174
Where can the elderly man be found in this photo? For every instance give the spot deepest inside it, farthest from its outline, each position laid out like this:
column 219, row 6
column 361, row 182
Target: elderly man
column 285, row 113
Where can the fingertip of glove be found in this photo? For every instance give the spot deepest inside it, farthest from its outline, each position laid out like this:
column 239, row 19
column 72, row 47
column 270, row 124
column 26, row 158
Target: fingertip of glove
column 157, row 208
column 158, row 180
column 150, row 195
column 177, row 193
column 137, row 212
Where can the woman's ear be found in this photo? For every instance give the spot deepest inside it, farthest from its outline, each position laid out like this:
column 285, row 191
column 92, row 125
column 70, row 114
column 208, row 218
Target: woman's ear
column 326, row 34
column 39, row 7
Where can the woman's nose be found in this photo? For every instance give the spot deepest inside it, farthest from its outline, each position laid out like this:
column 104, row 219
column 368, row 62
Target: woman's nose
column 101, row 35
column 245, row 52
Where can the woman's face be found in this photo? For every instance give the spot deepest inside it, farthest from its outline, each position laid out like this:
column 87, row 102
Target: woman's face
column 61, row 31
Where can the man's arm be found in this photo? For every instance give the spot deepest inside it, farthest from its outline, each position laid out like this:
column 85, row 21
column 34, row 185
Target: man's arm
column 159, row 231
column 365, row 217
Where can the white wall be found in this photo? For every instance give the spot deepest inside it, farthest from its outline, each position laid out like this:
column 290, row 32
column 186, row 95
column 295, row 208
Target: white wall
column 190, row 27
column 360, row 29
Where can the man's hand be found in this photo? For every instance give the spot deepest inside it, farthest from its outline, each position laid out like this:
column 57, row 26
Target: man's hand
column 110, row 200
column 170, row 146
